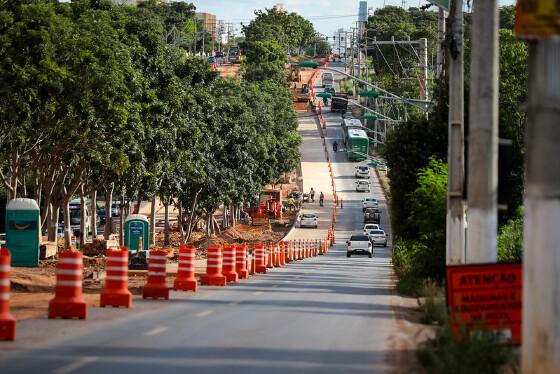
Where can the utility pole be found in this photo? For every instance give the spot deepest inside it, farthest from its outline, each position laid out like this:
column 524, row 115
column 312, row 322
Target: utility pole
column 541, row 258
column 482, row 178
column 455, row 220
column 424, row 68
column 440, row 40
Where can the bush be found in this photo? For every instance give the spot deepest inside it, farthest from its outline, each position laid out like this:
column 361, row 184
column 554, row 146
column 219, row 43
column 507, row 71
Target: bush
column 510, row 241
column 480, row 353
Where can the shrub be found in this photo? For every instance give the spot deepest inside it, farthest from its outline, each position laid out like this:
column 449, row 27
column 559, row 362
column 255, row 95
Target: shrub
column 480, row 353
column 510, row 241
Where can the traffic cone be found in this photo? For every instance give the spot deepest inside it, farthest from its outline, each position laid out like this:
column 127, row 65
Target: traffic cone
column 229, row 263
column 68, row 301
column 7, row 320
column 156, row 287
column 116, row 293
column 214, row 276
column 186, row 280
column 269, row 264
column 241, row 261
column 260, row 258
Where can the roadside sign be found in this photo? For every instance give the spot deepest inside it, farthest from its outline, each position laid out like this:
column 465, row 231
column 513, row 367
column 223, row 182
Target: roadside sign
column 486, row 297
column 444, row 4
column 537, row 19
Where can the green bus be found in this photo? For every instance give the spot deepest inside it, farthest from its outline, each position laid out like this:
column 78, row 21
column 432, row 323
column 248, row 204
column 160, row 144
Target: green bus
column 357, row 144
column 355, row 139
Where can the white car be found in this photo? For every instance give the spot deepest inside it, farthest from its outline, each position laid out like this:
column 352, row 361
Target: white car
column 363, row 186
column 362, row 172
column 359, row 244
column 369, row 202
column 370, row 226
column 308, row 220
column 378, row 237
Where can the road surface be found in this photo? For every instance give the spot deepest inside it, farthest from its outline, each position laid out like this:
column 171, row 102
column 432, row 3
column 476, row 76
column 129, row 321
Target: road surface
column 328, row 314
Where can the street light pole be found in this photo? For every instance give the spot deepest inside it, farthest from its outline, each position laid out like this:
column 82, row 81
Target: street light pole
column 541, row 256
column 455, row 220
column 482, row 178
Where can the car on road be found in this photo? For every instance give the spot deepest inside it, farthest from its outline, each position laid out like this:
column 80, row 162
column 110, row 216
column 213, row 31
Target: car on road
column 372, row 215
column 362, row 172
column 2, row 239
column 363, row 186
column 370, row 226
column 369, row 202
column 378, row 237
column 308, row 220
column 359, row 244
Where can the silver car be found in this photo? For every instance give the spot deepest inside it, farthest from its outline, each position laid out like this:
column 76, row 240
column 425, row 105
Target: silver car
column 363, row 186
column 308, row 220
column 378, row 237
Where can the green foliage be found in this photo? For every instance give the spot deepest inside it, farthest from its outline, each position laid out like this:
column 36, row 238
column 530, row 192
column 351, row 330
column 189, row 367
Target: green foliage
column 479, row 353
column 265, row 60
column 510, row 240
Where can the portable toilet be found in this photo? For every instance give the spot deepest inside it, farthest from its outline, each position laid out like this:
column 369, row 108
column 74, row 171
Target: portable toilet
column 22, row 231
column 136, row 227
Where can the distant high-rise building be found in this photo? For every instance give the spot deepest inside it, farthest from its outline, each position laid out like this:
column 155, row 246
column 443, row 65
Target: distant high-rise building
column 279, row 7
column 362, row 17
column 209, row 23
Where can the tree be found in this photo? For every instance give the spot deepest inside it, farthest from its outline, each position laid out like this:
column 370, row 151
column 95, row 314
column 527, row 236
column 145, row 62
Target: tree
column 265, row 60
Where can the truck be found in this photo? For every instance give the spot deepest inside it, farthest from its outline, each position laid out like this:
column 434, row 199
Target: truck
column 372, row 215
column 339, row 103
column 328, row 80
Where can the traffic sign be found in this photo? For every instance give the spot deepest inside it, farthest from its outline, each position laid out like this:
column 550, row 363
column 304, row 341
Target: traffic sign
column 370, row 117
column 444, row 4
column 486, row 297
column 369, row 93
column 324, row 94
column 537, row 19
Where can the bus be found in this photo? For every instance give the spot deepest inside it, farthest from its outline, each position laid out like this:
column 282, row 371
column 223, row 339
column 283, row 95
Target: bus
column 355, row 139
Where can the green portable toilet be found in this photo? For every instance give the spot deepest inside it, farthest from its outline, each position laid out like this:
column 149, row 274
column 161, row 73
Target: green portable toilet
column 136, row 227
column 22, row 231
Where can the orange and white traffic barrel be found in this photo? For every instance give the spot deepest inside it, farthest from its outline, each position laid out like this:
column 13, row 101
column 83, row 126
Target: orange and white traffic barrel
column 260, row 258
column 270, row 251
column 276, row 257
column 156, row 287
column 116, row 291
column 241, row 261
column 214, row 276
column 7, row 320
column 288, row 251
column 252, row 262
column 186, row 281
column 282, row 247
column 228, row 268
column 68, row 301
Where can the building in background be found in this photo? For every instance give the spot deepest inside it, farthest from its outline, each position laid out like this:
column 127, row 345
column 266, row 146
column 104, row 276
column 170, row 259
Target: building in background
column 362, row 17
column 341, row 42
column 208, row 22
column 279, row 7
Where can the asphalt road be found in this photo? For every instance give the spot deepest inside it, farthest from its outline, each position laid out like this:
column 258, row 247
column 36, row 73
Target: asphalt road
column 328, row 314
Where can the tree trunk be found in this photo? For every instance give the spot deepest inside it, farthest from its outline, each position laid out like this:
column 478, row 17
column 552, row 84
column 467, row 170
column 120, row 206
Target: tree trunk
column 67, row 230
column 94, row 214
column 208, row 225
column 53, row 222
column 152, row 239
column 83, row 217
column 180, row 222
column 215, row 224
column 121, row 220
column 224, row 217
column 108, row 216
column 166, row 225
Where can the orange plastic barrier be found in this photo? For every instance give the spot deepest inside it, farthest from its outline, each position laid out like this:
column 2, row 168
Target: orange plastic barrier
column 229, row 263
column 68, row 301
column 241, row 261
column 269, row 263
column 214, row 276
column 7, row 321
column 260, row 258
column 289, row 257
column 276, row 257
column 282, row 253
column 186, row 281
column 116, row 291
column 156, row 287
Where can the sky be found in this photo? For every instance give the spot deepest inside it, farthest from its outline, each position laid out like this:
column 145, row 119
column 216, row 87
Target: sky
column 327, row 15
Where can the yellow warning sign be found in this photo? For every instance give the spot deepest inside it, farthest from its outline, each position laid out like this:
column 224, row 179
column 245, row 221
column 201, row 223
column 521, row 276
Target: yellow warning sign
column 537, row 19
